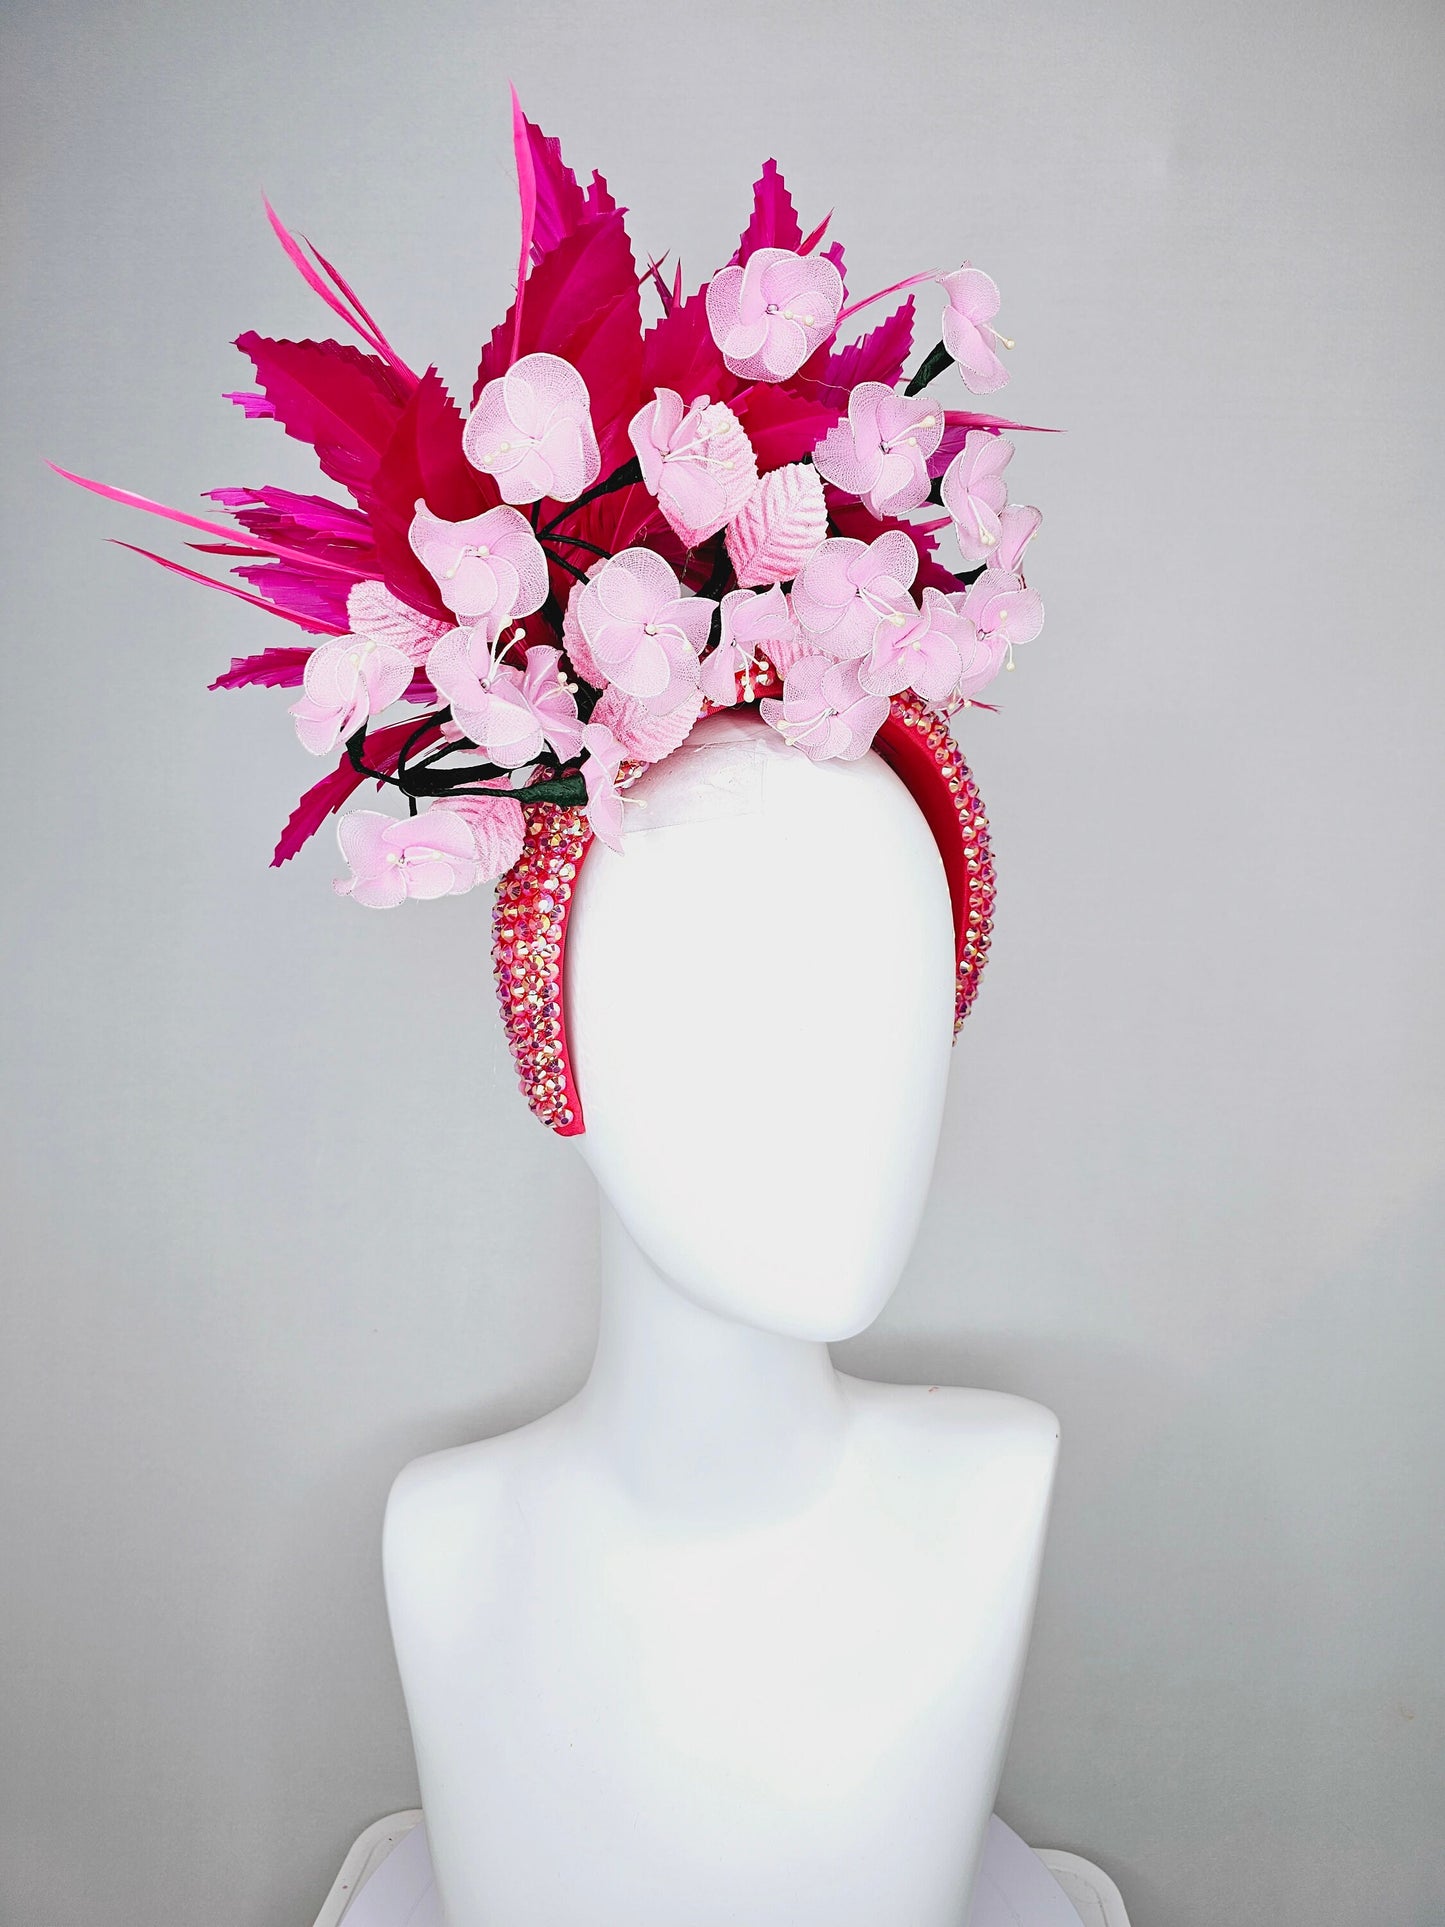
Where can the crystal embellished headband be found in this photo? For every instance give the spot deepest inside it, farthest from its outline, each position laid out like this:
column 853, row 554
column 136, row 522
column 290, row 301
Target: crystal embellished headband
column 632, row 527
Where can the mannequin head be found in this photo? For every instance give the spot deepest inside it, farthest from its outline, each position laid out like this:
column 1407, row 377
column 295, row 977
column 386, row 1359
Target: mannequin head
column 760, row 1000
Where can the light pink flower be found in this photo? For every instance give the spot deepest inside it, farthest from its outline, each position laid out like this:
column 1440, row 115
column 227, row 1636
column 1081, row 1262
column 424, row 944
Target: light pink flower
column 1000, row 606
column 507, row 712
column 974, row 493
column 968, row 333
column 769, row 316
column 698, row 462
column 392, row 858
column 982, row 656
column 825, row 711
column 926, row 654
column 1018, row 525
column 640, row 630
column 532, row 429
column 752, row 624
column 497, row 825
column 604, row 805
column 347, row 681
column 645, row 735
column 850, row 587
column 881, row 451
column 488, row 569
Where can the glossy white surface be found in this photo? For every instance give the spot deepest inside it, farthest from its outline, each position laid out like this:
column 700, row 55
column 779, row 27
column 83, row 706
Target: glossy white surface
column 730, row 1635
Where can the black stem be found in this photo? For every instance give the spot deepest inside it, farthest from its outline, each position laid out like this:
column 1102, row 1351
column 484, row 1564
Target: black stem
column 570, row 567
column 624, row 477
column 576, row 542
column 934, row 363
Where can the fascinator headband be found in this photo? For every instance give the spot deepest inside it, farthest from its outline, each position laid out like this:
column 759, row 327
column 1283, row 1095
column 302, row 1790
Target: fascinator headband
column 523, row 606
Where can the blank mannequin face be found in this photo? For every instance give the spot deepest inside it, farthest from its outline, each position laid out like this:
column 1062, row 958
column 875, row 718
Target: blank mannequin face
column 760, row 1014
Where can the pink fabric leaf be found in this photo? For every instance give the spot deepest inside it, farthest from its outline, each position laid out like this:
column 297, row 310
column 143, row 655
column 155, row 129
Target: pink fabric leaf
column 273, row 669
column 849, row 588
column 825, row 711
column 489, row 569
column 1018, row 525
column 498, row 829
column 393, row 858
column 646, row 736
column 532, row 431
column 881, row 452
column 758, row 630
column 604, row 805
column 974, row 493
column 344, row 404
column 779, row 527
column 774, row 222
column 769, row 316
column 323, row 799
column 373, row 611
column 697, row 461
column 640, row 631
column 968, row 331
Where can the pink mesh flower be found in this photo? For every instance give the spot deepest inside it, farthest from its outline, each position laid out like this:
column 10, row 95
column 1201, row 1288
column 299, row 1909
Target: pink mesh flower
column 982, row 656
column 926, row 653
column 1018, row 525
column 968, row 333
column 488, row 569
column 769, row 316
column 974, row 493
column 604, row 805
column 697, row 461
column 532, row 429
column 753, row 626
column 850, row 587
column 881, row 451
column 640, row 630
column 507, row 712
column 497, row 825
column 392, row 858
column 347, row 681
column 825, row 711
column 1000, row 605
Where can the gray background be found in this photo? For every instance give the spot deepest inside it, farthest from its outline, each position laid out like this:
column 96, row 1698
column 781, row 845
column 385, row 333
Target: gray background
column 275, row 1219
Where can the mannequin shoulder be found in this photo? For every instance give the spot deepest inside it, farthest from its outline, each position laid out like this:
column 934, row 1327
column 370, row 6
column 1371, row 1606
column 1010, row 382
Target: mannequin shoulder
column 955, row 1427
column 446, row 1505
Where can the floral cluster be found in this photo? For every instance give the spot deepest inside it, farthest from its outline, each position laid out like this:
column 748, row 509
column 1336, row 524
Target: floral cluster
column 630, row 526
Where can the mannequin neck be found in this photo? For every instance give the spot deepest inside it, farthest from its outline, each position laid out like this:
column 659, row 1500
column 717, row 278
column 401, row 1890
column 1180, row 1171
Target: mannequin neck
column 698, row 1414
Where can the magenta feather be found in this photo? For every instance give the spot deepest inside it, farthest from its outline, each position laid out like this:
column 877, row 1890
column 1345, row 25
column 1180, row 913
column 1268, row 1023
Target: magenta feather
column 325, row 798
column 345, row 404
column 272, row 669
column 315, row 624
column 774, row 222
column 354, row 315
column 527, row 195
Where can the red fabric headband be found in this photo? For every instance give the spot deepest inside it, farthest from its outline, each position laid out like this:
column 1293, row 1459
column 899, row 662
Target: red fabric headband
column 534, row 903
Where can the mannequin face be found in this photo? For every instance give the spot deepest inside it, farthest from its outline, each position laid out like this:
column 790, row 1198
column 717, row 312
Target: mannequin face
column 760, row 1013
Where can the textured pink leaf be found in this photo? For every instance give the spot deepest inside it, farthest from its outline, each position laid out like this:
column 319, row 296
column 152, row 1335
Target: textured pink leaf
column 779, row 528
column 273, row 668
column 325, row 798
column 641, row 731
column 774, row 222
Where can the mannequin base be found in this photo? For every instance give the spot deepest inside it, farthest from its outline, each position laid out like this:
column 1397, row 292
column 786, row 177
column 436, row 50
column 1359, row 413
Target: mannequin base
column 386, row 1881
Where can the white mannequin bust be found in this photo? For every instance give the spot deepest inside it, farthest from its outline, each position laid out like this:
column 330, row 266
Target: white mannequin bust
column 730, row 1636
